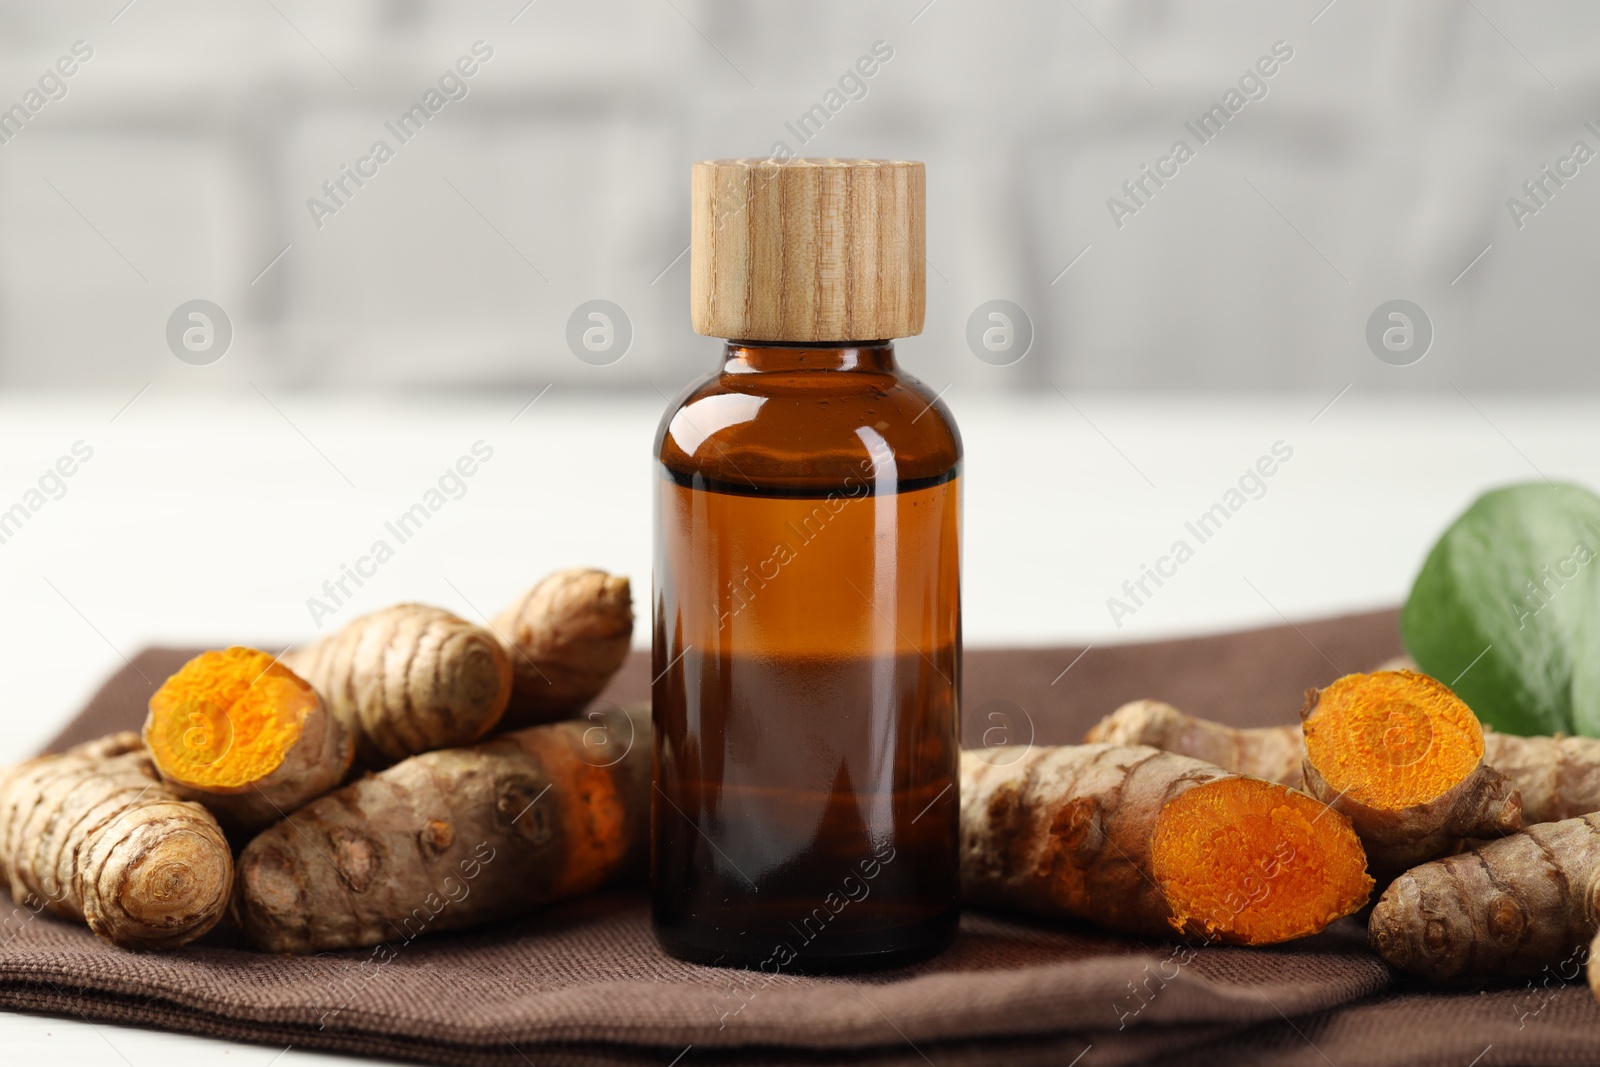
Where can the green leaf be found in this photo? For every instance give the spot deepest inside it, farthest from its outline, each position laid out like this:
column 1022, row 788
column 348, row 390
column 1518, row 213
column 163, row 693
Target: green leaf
column 1506, row 609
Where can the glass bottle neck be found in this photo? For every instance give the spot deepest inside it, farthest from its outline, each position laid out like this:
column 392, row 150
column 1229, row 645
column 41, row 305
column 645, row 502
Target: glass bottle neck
column 758, row 357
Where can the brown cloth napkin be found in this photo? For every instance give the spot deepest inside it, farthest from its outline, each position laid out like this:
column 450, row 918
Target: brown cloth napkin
column 585, row 984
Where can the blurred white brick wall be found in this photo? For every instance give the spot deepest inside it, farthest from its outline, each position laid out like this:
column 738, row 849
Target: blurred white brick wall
column 179, row 162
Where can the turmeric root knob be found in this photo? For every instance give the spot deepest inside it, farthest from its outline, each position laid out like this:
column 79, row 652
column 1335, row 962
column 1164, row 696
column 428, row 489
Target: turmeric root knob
column 566, row 637
column 245, row 734
column 409, row 679
column 94, row 835
column 1402, row 756
column 1507, row 908
column 1148, row 842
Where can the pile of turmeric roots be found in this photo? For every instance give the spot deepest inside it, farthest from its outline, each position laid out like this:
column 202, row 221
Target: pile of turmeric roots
column 390, row 780
column 1484, row 847
column 416, row 773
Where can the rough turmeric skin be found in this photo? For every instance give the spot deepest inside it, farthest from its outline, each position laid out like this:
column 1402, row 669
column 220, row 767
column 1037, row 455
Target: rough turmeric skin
column 1148, row 842
column 455, row 838
column 1272, row 753
column 95, row 836
column 1505, row 908
column 245, row 735
column 566, row 637
column 1558, row 777
column 1402, row 756
column 409, row 679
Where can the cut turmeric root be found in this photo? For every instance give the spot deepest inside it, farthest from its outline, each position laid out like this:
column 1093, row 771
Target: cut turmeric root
column 1272, row 753
column 1506, row 908
column 1396, row 751
column 245, row 735
column 1402, row 756
column 409, row 679
column 455, row 838
column 566, row 637
column 1148, row 842
column 93, row 835
column 1557, row 777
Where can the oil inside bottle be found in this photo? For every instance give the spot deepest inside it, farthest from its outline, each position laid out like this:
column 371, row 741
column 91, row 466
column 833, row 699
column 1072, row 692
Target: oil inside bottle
column 807, row 657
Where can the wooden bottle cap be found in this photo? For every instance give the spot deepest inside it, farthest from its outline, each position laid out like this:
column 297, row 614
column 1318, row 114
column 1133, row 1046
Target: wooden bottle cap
column 807, row 249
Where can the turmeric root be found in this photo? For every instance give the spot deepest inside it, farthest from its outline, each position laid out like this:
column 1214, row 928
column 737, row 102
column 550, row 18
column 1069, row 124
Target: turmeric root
column 1558, row 777
column 1505, row 908
column 409, row 679
column 455, row 838
column 566, row 636
column 1149, row 842
column 1402, row 756
column 1395, row 751
column 1273, row 753
column 93, row 835
column 245, row 735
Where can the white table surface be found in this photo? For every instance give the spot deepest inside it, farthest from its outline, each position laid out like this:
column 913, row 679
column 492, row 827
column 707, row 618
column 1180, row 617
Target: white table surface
column 208, row 517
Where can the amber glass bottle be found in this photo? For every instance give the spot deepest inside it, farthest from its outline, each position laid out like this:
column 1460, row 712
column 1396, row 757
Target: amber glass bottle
column 807, row 622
